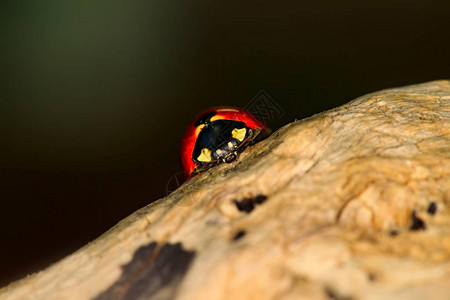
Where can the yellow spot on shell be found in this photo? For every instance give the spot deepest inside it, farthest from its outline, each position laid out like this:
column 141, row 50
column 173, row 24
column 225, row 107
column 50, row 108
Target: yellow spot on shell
column 216, row 117
column 198, row 129
column 239, row 134
column 205, row 155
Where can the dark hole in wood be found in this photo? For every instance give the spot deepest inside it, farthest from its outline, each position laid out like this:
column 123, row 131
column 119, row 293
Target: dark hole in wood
column 394, row 232
column 372, row 277
column 248, row 204
column 416, row 223
column 244, row 206
column 432, row 207
column 260, row 199
column 332, row 294
column 238, row 235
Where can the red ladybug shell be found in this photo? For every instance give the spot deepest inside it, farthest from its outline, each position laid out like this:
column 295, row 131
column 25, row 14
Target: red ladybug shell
column 218, row 113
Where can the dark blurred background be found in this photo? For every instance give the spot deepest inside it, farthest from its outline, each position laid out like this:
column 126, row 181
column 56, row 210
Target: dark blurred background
column 95, row 95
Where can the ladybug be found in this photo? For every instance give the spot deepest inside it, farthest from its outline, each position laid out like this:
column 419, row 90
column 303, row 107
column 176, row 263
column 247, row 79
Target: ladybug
column 218, row 135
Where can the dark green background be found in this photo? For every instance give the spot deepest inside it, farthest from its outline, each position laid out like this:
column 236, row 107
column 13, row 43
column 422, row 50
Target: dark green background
column 95, row 95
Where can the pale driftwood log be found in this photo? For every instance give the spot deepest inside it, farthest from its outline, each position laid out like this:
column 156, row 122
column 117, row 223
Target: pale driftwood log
column 352, row 203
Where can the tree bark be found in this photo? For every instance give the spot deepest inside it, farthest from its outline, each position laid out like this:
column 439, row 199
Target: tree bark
column 352, row 203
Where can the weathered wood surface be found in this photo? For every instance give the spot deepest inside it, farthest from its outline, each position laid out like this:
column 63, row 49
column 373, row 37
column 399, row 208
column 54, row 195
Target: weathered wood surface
column 352, row 203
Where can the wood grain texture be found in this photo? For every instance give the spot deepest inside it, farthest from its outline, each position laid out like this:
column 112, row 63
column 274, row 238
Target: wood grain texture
column 352, row 203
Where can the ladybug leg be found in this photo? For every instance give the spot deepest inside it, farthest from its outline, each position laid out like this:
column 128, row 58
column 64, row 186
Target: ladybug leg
column 230, row 158
column 204, row 166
